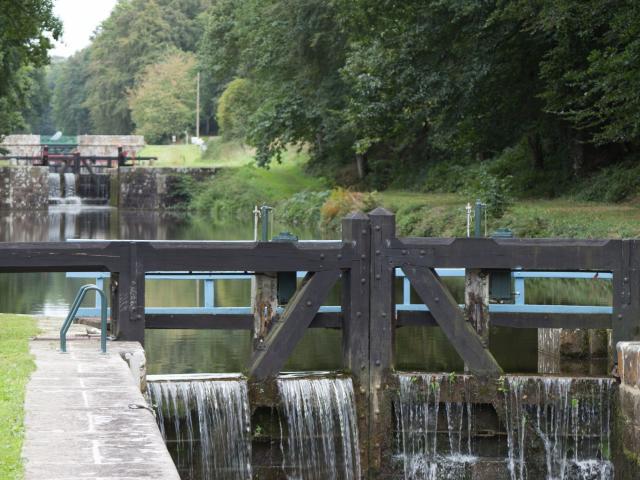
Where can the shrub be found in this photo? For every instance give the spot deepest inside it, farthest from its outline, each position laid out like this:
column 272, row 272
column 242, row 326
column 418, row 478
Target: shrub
column 342, row 202
column 303, row 208
column 612, row 184
column 234, row 109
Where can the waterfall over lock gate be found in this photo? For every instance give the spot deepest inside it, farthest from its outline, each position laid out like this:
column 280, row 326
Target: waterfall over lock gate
column 55, row 188
column 571, row 418
column 434, row 439
column 321, row 429
column 70, row 190
column 208, row 424
column 554, row 428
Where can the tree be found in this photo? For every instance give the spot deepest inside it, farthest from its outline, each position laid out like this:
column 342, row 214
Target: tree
column 291, row 52
column 70, row 112
column 27, row 31
column 235, row 108
column 138, row 33
column 163, row 103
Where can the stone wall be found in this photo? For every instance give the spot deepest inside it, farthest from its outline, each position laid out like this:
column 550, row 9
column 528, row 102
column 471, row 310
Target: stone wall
column 88, row 145
column 24, row 188
column 156, row 188
column 107, row 145
column 626, row 447
column 22, row 145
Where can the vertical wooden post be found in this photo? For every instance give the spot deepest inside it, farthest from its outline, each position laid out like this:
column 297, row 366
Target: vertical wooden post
column 626, row 295
column 382, row 337
column 549, row 350
column 264, row 305
column 476, row 302
column 127, row 293
column 355, row 321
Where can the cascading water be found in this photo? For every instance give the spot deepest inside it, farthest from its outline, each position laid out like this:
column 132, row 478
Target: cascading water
column 417, row 417
column 70, row 195
column 55, row 188
column 573, row 428
column 322, row 429
column 206, row 425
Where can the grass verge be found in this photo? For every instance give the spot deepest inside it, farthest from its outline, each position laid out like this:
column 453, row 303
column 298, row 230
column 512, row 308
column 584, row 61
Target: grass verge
column 218, row 154
column 16, row 364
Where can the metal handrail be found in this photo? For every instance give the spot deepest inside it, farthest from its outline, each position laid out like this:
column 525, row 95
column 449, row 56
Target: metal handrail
column 73, row 312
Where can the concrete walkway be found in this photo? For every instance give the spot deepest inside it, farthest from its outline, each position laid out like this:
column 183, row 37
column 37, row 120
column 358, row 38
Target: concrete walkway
column 79, row 418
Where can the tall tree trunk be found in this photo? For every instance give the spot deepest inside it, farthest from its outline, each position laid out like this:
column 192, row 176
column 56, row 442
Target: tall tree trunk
column 361, row 165
column 536, row 150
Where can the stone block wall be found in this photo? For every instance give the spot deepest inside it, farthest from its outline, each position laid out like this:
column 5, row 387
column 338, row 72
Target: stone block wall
column 107, row 145
column 626, row 447
column 24, row 188
column 22, row 145
column 156, row 188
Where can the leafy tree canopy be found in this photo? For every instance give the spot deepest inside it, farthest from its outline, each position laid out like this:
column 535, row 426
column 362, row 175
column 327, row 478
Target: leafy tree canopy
column 27, row 31
column 163, row 103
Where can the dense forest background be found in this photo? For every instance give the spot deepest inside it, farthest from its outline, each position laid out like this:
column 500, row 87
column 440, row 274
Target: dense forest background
column 536, row 97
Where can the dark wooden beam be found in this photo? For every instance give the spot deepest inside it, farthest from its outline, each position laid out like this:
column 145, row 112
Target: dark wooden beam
column 517, row 320
column 247, row 256
column 198, row 321
column 382, row 339
column 445, row 310
column 288, row 331
column 62, row 256
column 626, row 294
column 356, row 231
column 405, row 318
column 527, row 254
column 551, row 320
column 128, row 302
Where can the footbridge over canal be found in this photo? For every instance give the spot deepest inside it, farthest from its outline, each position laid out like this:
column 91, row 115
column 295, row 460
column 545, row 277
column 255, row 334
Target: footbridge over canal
column 363, row 263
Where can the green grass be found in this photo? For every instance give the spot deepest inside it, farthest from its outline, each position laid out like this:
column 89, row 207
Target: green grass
column 421, row 214
column 218, row 154
column 16, row 364
column 236, row 190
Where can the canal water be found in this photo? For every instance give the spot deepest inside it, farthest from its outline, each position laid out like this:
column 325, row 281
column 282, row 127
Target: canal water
column 190, row 351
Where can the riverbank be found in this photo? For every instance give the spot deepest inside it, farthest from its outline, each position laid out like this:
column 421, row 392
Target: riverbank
column 16, row 365
column 305, row 200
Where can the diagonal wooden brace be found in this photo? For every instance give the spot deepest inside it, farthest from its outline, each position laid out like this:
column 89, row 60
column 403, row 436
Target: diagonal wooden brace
column 450, row 318
column 288, row 331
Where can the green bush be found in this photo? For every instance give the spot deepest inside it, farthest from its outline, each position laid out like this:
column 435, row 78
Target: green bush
column 303, row 208
column 477, row 181
column 233, row 193
column 234, row 109
column 612, row 184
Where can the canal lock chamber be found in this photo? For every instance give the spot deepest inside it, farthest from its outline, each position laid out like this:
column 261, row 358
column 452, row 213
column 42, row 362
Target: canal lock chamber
column 441, row 427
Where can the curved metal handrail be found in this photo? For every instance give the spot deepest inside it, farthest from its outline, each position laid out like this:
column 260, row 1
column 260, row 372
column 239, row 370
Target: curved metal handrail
column 74, row 310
